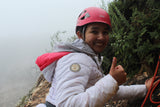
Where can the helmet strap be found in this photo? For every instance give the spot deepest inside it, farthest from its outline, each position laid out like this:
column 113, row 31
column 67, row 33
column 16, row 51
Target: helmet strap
column 83, row 32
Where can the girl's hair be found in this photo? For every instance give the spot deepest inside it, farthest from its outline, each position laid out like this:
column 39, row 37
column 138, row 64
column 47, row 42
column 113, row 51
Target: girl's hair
column 79, row 28
column 82, row 30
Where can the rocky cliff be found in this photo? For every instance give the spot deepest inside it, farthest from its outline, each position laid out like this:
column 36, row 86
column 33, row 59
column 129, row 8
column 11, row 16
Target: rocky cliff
column 36, row 95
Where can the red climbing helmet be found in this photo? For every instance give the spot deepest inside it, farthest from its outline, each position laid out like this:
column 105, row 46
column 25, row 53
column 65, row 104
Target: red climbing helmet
column 93, row 14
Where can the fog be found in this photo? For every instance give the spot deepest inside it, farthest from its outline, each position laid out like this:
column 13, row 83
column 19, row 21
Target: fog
column 25, row 30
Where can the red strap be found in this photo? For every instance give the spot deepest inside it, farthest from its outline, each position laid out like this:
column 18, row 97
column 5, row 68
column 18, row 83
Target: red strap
column 150, row 91
column 48, row 58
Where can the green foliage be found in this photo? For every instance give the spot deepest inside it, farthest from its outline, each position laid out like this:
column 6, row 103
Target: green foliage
column 59, row 37
column 135, row 37
column 23, row 101
column 56, row 38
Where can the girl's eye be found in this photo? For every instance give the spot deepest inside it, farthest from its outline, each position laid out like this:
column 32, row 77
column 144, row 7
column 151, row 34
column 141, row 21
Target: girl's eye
column 94, row 32
column 105, row 33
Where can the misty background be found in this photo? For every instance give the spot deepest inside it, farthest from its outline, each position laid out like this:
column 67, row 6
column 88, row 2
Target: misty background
column 26, row 27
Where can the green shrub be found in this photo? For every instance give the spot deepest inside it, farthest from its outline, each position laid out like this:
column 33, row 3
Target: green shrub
column 135, row 37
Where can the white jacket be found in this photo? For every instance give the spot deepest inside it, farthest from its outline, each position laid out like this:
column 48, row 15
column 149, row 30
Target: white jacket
column 86, row 86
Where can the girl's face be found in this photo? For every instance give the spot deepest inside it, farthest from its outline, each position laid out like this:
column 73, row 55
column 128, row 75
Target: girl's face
column 97, row 36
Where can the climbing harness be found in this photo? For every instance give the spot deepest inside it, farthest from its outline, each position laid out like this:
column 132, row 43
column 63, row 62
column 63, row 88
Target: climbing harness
column 151, row 90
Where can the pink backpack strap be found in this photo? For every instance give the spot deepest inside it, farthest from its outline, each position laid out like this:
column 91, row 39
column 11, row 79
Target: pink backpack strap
column 48, row 58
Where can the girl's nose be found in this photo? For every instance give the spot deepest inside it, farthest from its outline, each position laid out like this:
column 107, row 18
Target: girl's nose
column 101, row 36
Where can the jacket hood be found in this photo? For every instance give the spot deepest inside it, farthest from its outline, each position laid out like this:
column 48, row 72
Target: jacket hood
column 47, row 62
column 77, row 46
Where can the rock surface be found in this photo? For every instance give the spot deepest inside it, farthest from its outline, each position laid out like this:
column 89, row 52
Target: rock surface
column 37, row 94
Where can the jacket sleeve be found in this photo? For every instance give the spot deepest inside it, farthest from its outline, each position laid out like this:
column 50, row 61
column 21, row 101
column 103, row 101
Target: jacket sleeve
column 131, row 92
column 70, row 89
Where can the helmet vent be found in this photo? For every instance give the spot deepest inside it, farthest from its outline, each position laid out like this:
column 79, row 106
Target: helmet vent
column 82, row 13
column 86, row 16
column 102, row 16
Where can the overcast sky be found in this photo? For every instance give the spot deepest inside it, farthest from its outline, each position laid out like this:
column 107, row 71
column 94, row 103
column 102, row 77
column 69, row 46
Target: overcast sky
column 26, row 27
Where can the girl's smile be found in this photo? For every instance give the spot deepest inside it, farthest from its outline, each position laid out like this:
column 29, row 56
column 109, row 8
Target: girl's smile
column 96, row 36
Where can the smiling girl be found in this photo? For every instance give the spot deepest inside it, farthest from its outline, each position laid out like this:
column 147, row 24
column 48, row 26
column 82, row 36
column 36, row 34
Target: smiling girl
column 74, row 69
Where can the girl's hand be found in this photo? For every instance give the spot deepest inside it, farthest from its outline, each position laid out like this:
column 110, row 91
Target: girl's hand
column 117, row 72
column 148, row 82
